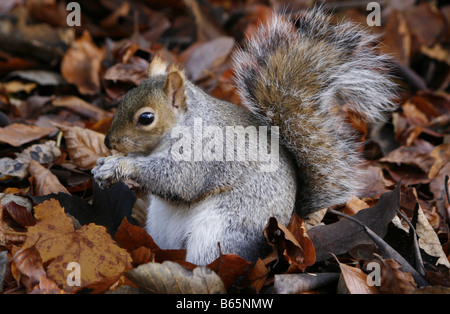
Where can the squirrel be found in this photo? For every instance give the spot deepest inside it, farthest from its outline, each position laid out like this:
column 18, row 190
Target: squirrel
column 296, row 79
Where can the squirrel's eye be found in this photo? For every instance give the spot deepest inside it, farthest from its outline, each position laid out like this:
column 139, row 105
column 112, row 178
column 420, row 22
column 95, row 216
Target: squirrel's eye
column 146, row 118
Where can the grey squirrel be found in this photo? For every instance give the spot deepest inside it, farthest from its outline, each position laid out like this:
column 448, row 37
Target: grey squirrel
column 186, row 148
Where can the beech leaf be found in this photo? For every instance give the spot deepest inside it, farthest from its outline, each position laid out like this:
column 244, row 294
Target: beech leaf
column 170, row 278
column 84, row 146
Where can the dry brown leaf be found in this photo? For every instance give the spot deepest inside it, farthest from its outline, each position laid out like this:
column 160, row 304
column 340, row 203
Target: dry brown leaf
column 397, row 37
column 354, row 205
column 428, row 239
column 229, row 267
column 286, row 243
column 441, row 153
column 59, row 244
column 134, row 71
column 170, row 277
column 16, row 87
column 81, row 65
column 416, row 156
column 29, row 264
column 81, row 107
column 393, row 280
column 17, row 134
column 208, row 56
column 44, row 181
column 258, row 274
column 84, row 146
column 354, row 281
column 298, row 229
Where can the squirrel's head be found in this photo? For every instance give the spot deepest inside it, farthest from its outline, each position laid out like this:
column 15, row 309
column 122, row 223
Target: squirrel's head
column 146, row 113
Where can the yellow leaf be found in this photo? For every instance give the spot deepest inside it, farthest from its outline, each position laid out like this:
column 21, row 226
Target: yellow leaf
column 59, row 244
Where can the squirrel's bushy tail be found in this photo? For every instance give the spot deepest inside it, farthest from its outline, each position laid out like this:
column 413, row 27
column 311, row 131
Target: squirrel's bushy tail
column 300, row 76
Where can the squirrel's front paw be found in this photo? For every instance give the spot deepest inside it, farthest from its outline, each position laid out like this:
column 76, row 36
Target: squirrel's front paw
column 110, row 170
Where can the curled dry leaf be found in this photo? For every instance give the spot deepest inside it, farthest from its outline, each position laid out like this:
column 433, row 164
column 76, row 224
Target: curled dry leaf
column 29, row 265
column 15, row 216
column 81, row 65
column 59, row 244
column 258, row 275
column 354, row 281
column 44, row 181
column 229, row 267
column 84, row 146
column 170, row 278
column 285, row 241
column 428, row 239
column 133, row 238
column 18, row 168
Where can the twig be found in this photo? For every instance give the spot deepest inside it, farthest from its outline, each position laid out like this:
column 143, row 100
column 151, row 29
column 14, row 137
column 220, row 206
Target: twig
column 387, row 250
column 418, row 257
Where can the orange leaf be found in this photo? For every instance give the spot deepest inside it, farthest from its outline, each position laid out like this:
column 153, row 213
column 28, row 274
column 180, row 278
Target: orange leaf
column 81, row 65
column 59, row 244
column 229, row 267
column 286, row 243
column 29, row 264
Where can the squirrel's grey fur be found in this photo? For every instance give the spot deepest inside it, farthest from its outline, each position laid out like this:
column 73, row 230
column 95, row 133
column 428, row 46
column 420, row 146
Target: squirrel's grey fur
column 297, row 80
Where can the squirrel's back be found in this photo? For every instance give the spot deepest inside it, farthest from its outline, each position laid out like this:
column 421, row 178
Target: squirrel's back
column 300, row 76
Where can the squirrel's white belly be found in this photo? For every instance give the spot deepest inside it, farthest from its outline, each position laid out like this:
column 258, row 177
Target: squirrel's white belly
column 174, row 226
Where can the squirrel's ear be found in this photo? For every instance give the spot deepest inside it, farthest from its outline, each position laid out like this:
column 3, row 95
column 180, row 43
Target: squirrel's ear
column 174, row 89
column 157, row 67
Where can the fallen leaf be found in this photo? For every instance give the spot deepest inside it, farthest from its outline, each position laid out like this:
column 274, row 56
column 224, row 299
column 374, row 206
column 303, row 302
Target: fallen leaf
column 82, row 63
column 60, row 244
column 417, row 156
column 132, row 237
column 207, row 57
column 133, row 72
column 354, row 281
column 18, row 168
column 16, row 87
column 354, row 205
column 342, row 236
column 257, row 275
column 229, row 267
column 30, row 266
column 393, row 280
column 84, row 146
column 170, row 278
column 298, row 229
column 81, row 107
column 432, row 24
column 428, row 239
column 17, row 134
column 44, row 181
column 285, row 244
